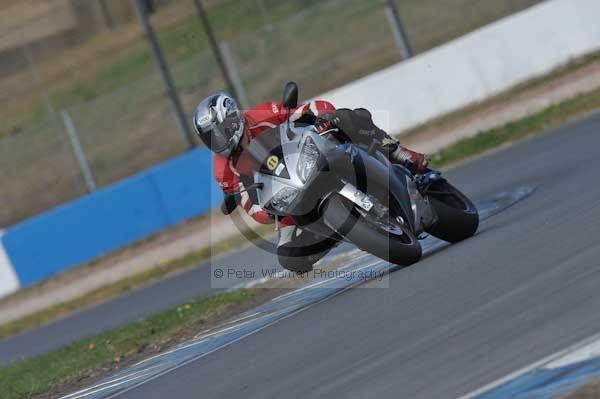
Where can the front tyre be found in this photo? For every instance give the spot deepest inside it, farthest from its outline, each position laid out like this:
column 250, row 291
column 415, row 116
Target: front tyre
column 457, row 215
column 391, row 240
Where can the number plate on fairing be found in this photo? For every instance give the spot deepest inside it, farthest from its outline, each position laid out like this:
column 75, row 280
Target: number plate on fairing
column 358, row 197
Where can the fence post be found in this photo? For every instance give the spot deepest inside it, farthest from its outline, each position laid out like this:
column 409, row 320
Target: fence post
column 166, row 73
column 236, row 80
column 109, row 23
column 78, row 150
column 393, row 15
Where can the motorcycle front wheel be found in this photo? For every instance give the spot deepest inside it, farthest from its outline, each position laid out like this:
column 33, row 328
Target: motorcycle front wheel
column 388, row 239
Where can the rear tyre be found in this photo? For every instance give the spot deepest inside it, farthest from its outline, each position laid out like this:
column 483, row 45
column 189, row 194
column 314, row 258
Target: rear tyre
column 393, row 242
column 457, row 215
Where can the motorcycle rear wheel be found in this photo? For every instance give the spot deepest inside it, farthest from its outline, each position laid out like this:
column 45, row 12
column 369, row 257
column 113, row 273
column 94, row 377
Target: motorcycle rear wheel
column 457, row 215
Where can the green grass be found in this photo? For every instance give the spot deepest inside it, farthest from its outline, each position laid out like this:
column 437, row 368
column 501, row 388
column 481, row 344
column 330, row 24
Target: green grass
column 110, row 348
column 235, row 20
column 180, row 43
column 552, row 116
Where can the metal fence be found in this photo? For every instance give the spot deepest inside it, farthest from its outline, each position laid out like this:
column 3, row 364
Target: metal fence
column 102, row 98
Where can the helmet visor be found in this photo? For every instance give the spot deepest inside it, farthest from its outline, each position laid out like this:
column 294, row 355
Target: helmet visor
column 222, row 136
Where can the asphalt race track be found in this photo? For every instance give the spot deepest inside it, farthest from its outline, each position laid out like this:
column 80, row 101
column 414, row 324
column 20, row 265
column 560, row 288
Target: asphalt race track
column 353, row 269
column 525, row 286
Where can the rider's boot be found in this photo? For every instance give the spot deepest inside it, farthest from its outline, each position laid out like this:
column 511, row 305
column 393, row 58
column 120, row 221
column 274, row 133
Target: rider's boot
column 413, row 161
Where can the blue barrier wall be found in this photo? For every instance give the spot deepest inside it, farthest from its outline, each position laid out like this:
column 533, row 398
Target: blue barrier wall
column 130, row 210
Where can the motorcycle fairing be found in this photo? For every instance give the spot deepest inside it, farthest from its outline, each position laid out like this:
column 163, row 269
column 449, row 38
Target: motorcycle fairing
column 267, row 153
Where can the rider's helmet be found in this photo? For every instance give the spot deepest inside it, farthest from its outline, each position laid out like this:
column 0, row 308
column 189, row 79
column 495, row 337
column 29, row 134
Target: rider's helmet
column 219, row 123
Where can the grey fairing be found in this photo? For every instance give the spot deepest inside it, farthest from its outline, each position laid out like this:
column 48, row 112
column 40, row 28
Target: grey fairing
column 339, row 164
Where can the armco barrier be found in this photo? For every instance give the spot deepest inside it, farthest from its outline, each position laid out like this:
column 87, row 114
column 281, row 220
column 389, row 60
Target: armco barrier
column 96, row 224
column 476, row 66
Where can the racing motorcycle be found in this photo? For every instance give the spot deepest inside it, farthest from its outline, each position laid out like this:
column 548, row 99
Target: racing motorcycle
column 345, row 191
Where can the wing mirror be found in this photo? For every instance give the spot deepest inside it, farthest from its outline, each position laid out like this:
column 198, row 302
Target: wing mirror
column 290, row 100
column 290, row 95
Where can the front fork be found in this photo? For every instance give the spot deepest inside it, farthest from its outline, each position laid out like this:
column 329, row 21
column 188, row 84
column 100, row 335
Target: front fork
column 424, row 214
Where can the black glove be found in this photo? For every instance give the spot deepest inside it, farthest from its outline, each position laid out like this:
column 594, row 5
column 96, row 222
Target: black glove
column 230, row 202
column 358, row 123
column 343, row 120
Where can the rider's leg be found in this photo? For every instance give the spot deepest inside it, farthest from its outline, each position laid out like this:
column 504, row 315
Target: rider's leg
column 298, row 250
column 359, row 126
column 413, row 161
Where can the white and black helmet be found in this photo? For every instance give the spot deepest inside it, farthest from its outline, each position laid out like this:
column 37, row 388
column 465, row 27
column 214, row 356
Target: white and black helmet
column 219, row 123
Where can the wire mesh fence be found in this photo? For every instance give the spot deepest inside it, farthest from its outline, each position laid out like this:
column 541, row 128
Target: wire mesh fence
column 320, row 47
column 37, row 170
column 98, row 68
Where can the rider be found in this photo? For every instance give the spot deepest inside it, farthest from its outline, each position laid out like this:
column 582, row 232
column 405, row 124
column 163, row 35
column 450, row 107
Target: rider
column 227, row 131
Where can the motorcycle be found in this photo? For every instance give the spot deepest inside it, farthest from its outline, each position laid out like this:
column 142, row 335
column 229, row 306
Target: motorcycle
column 342, row 190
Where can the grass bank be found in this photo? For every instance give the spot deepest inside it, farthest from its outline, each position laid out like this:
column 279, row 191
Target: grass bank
column 536, row 123
column 115, row 348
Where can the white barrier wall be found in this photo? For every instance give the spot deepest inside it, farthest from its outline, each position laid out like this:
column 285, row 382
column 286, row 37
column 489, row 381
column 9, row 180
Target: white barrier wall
column 9, row 282
column 473, row 67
